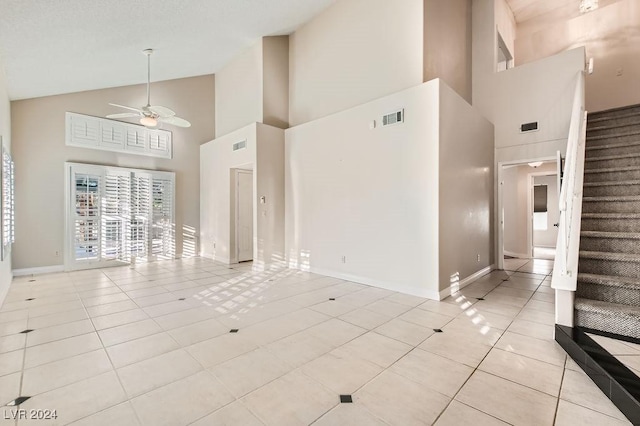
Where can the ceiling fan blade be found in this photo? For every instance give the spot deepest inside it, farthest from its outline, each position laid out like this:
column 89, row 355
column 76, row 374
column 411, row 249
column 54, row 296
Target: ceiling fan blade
column 161, row 111
column 124, row 115
column 176, row 121
column 127, row 107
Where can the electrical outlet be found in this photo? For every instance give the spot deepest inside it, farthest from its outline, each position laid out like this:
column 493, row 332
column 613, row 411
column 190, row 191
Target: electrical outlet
column 478, row 257
column 57, row 253
column 344, row 259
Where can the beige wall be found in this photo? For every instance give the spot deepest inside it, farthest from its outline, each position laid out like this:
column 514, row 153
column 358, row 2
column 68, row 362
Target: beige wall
column 352, row 53
column 238, row 93
column 217, row 159
column 5, row 132
column 465, row 167
column 275, row 67
column 264, row 155
column 610, row 35
column 39, row 149
column 447, row 44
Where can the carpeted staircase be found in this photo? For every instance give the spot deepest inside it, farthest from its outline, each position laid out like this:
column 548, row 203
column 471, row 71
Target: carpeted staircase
column 608, row 293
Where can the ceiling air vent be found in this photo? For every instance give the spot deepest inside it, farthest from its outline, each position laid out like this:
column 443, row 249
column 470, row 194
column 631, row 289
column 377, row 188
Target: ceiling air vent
column 529, row 127
column 239, row 145
column 393, row 118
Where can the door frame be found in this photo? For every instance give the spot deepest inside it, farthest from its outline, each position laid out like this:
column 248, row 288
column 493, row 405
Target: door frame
column 500, row 212
column 530, row 184
column 236, row 219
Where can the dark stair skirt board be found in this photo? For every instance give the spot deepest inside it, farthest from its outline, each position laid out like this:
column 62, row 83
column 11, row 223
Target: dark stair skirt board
column 613, row 378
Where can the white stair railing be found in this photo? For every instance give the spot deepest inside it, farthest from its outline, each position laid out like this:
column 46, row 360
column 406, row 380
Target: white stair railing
column 565, row 269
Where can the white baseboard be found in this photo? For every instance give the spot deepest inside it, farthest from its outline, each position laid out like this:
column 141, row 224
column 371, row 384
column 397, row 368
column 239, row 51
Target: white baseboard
column 420, row 292
column 518, row 255
column 39, row 270
column 465, row 282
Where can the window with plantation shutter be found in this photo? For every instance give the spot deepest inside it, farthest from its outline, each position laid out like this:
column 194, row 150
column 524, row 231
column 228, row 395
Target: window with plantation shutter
column 162, row 242
column 7, row 202
column 118, row 216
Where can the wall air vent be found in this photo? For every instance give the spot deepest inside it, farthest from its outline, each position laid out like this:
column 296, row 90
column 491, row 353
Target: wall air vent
column 529, row 127
column 393, row 118
column 239, row 145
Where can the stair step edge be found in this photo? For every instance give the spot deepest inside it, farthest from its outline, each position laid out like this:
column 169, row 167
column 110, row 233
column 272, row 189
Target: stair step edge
column 612, row 145
column 614, row 169
column 599, row 306
column 611, row 215
column 611, row 235
column 613, row 183
column 612, row 157
column 616, row 135
column 612, row 126
column 612, row 198
column 601, row 255
column 609, row 280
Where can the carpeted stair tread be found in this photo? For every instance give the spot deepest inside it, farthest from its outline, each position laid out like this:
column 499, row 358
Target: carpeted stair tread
column 603, row 234
column 608, row 216
column 614, row 169
column 598, row 306
column 629, row 198
column 611, row 146
column 594, row 119
column 606, row 316
column 613, row 183
column 601, row 255
column 610, row 280
column 612, row 157
column 611, row 126
column 617, row 135
column 609, row 288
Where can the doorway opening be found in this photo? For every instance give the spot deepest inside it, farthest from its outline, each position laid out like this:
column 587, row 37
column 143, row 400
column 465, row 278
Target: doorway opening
column 242, row 217
column 528, row 194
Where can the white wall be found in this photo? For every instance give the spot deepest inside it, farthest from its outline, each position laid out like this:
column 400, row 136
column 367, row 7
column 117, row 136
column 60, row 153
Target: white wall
column 370, row 195
column 541, row 91
column 609, row 35
column 239, row 88
column 5, row 132
column 264, row 154
column 354, row 52
column 466, row 189
column 216, row 161
column 40, row 152
column 270, row 184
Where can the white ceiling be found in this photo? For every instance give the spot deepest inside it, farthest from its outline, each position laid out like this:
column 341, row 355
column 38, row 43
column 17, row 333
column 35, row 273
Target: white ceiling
column 60, row 46
column 523, row 10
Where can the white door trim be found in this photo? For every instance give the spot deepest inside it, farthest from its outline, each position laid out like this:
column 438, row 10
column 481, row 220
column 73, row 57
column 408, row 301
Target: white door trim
column 500, row 212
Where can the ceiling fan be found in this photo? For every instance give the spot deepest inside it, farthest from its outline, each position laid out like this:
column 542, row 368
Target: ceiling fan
column 151, row 115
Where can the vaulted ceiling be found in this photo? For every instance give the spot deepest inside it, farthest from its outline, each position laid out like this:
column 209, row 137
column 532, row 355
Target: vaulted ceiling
column 52, row 47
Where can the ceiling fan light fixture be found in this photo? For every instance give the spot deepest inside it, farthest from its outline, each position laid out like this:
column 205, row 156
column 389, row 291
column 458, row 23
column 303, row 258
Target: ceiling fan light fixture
column 588, row 5
column 148, row 121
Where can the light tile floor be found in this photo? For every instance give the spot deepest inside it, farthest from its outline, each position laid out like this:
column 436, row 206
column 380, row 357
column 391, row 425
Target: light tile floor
column 151, row 345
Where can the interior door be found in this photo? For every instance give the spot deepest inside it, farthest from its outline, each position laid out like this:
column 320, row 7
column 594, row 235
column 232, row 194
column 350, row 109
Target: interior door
column 244, row 215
